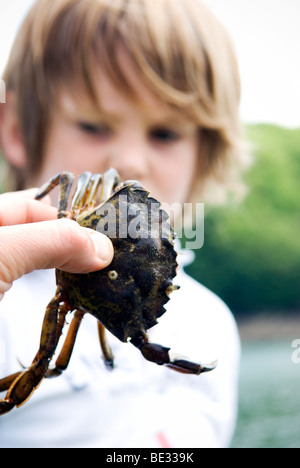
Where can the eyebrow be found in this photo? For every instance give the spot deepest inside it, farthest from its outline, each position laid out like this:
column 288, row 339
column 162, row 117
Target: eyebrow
column 90, row 114
column 73, row 110
column 93, row 114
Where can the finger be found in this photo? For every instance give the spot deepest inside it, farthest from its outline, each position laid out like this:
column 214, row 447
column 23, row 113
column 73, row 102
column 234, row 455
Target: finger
column 59, row 244
column 29, row 193
column 21, row 208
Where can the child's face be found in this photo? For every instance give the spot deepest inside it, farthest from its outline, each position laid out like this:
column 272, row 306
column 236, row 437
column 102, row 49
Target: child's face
column 146, row 142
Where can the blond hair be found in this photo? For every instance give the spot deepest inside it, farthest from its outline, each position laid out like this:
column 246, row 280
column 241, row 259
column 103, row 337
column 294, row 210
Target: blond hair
column 180, row 50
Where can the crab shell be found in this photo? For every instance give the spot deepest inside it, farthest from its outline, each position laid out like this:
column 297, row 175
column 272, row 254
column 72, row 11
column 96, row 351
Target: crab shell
column 129, row 295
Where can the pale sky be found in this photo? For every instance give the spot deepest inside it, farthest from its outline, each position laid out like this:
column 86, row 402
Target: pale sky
column 266, row 34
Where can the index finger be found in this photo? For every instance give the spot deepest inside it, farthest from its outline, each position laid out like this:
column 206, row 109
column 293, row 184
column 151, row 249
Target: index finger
column 21, row 208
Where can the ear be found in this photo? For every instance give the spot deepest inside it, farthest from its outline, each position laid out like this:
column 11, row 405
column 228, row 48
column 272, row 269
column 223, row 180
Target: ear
column 11, row 140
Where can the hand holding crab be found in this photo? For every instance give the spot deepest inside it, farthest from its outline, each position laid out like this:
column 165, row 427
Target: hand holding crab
column 125, row 297
column 31, row 238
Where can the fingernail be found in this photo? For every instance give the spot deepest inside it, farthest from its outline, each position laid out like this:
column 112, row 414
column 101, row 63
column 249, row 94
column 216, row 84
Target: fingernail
column 103, row 246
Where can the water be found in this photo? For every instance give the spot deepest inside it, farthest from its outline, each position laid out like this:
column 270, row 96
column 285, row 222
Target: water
column 269, row 415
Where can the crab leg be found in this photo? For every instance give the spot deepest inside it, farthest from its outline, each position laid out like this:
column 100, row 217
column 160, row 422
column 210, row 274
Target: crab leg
column 65, row 181
column 26, row 382
column 106, row 350
column 163, row 356
column 81, row 192
column 110, row 182
column 7, row 381
column 63, row 310
column 64, row 357
column 95, row 183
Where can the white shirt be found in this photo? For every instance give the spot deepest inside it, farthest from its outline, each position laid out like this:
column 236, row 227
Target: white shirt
column 138, row 404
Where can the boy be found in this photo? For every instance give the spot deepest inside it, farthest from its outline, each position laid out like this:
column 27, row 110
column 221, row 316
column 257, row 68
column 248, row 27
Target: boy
column 150, row 88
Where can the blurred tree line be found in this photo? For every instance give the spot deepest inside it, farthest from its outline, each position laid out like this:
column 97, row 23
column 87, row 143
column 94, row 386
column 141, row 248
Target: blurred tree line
column 251, row 252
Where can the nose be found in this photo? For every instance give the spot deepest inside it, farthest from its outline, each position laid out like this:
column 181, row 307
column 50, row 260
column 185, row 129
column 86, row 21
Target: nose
column 130, row 157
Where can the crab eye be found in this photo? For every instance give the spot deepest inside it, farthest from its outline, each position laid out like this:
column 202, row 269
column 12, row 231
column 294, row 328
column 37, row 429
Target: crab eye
column 113, row 275
column 170, row 288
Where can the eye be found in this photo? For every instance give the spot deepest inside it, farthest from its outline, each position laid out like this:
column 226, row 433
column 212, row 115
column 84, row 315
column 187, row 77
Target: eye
column 164, row 135
column 102, row 130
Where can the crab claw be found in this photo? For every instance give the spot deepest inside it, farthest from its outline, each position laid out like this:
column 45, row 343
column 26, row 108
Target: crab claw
column 209, row 367
column 164, row 356
column 183, row 365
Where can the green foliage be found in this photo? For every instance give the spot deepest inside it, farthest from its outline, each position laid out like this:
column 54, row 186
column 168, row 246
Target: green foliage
column 251, row 254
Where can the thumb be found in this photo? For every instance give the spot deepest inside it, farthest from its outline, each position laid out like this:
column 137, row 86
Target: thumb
column 59, row 244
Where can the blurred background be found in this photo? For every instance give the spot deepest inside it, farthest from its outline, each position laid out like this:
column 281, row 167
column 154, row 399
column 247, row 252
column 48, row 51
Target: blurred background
column 251, row 253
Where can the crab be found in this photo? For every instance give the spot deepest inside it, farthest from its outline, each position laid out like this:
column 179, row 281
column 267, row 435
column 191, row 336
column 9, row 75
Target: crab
column 126, row 298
